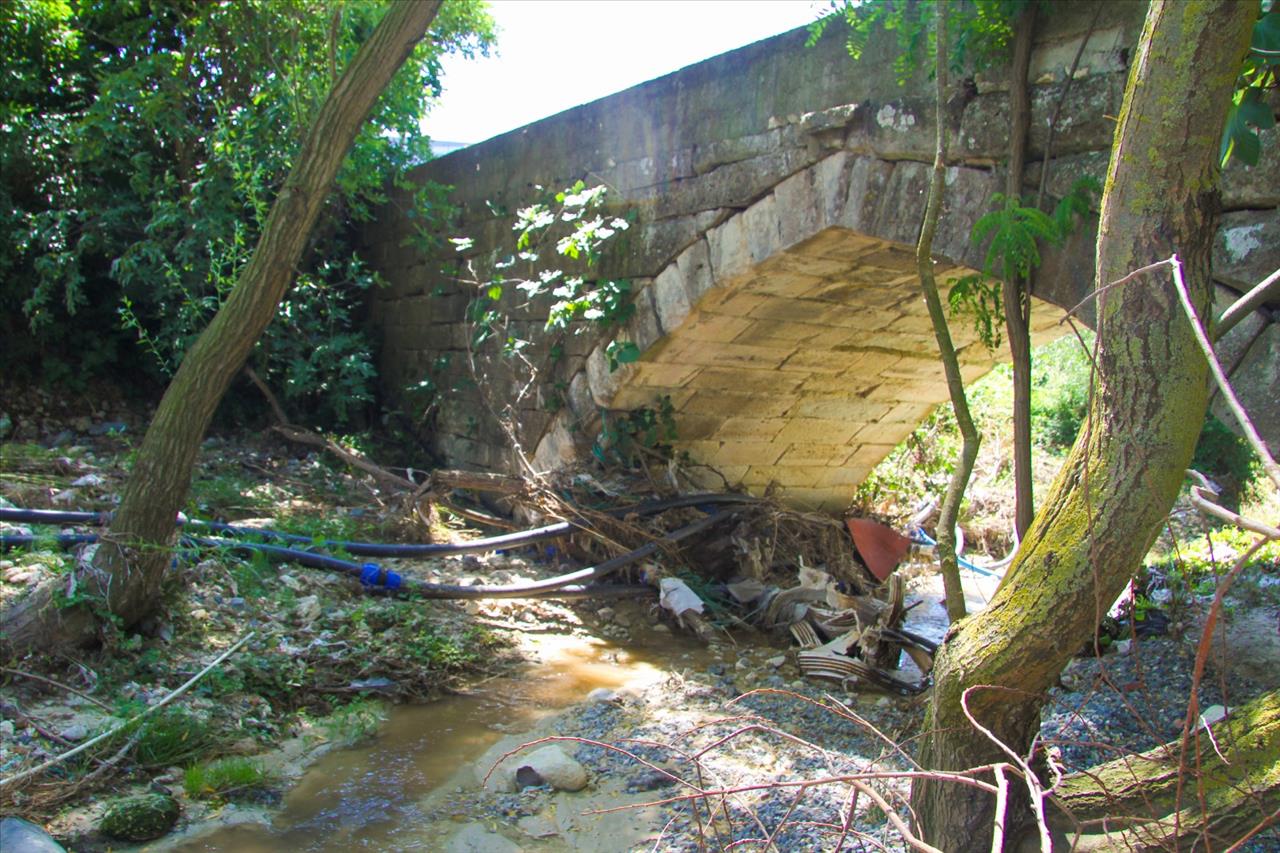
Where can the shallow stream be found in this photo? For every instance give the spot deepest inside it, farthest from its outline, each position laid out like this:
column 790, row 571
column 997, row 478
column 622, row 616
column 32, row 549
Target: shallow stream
column 367, row 797
column 373, row 796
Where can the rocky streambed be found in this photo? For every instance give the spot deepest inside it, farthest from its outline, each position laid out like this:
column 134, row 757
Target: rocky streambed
column 626, row 741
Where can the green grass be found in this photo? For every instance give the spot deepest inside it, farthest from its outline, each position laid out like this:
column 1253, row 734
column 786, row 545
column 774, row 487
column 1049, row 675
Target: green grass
column 223, row 776
column 171, row 737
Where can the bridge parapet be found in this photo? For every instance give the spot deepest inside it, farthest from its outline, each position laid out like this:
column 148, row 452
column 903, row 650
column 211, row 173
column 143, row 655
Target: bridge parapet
column 778, row 191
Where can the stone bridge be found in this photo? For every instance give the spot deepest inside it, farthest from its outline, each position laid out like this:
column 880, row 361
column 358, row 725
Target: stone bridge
column 778, row 192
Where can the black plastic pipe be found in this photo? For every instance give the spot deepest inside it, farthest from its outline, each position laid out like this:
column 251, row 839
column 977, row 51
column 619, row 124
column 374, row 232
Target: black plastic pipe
column 371, row 574
column 378, row 549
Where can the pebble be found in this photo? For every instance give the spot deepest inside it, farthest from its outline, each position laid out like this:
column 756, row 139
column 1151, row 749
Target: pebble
column 307, row 608
column 21, row 575
column 75, row 732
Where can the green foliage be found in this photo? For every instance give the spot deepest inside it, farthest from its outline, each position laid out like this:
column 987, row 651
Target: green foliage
column 981, row 29
column 435, row 650
column 1227, row 459
column 626, row 437
column 573, row 224
column 141, row 145
column 223, row 776
column 1013, row 234
column 1059, row 392
column 354, row 722
column 1060, row 401
column 1250, row 111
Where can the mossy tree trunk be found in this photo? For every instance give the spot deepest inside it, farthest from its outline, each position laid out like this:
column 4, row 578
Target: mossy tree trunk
column 1136, row 802
column 1122, row 475
column 127, row 571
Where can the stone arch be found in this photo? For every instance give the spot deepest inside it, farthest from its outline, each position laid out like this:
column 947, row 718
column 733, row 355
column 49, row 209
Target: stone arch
column 792, row 339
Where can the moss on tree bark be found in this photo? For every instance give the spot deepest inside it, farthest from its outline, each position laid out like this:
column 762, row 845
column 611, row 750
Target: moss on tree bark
column 1122, row 475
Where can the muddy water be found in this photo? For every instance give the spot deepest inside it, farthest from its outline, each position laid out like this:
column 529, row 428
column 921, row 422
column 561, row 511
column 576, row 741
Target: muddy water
column 366, row 798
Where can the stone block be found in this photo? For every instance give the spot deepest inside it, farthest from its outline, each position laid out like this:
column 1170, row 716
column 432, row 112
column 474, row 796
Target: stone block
column 862, row 188
column 854, row 410
column 602, row 381
column 799, row 206
column 717, row 328
column 840, row 475
column 669, row 298
column 737, row 355
column 747, row 381
column 732, row 302
column 579, row 398
column 663, row 374
column 785, row 476
column 694, row 265
column 809, row 361
column 800, row 310
column 746, row 453
column 1247, row 247
column 815, row 454
column 755, row 331
column 712, row 477
column 643, row 329
column 1254, row 186
column 908, row 413
column 1257, row 383
column 695, row 427
column 848, row 382
column 556, row 449
column 758, row 429
column 781, row 283
column 800, row 430
column 728, row 251
column 763, row 229
column 761, row 404
column 901, row 207
column 886, row 432
column 899, row 391
column 833, row 500
column 868, row 456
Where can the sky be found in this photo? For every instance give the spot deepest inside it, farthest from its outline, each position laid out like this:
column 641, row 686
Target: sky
column 556, row 54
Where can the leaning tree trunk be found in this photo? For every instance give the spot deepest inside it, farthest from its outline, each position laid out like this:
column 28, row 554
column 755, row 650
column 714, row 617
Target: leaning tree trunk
column 126, row 574
column 1124, row 471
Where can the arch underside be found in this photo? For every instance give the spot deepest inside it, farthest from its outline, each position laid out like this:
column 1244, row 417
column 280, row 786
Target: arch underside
column 809, row 368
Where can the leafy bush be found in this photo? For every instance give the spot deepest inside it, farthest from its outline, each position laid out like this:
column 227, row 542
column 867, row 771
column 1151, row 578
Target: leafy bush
column 141, row 145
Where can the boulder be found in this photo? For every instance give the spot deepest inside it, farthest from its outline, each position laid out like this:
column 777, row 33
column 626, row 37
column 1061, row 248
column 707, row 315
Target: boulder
column 140, row 818
column 21, row 836
column 550, row 765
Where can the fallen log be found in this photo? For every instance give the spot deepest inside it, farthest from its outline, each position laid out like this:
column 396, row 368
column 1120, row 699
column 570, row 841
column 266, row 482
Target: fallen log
column 1230, row 789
